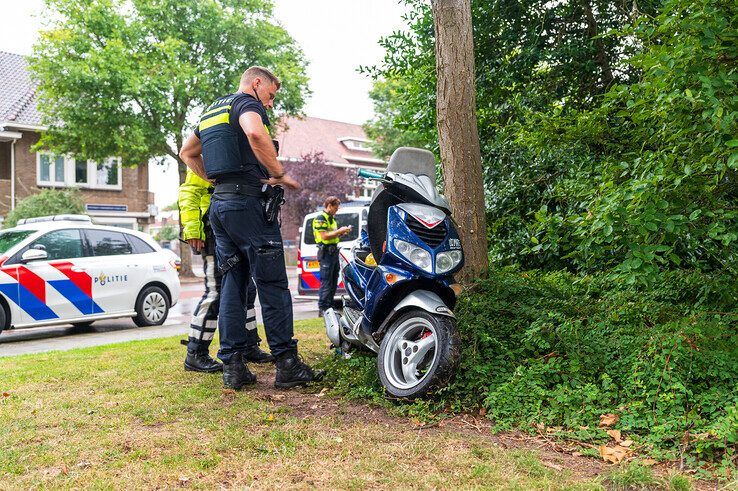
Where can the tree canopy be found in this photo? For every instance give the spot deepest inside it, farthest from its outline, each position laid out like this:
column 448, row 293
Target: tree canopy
column 127, row 78
column 46, row 202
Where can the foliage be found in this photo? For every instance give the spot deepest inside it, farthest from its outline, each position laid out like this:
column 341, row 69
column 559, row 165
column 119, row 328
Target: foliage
column 46, row 202
column 318, row 180
column 555, row 350
column 127, row 78
column 167, row 232
column 664, row 188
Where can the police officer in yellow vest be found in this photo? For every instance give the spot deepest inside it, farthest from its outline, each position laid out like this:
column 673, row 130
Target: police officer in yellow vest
column 232, row 147
column 327, row 235
column 193, row 202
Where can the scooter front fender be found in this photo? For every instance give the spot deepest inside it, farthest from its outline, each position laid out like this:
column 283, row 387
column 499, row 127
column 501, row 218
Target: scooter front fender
column 421, row 299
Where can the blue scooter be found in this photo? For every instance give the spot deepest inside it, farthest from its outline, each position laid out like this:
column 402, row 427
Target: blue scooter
column 399, row 280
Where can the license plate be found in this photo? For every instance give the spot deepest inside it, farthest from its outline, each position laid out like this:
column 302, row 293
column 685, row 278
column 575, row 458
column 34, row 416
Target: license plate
column 313, row 264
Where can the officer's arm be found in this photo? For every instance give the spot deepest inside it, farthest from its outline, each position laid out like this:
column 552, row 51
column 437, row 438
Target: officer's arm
column 191, row 155
column 261, row 142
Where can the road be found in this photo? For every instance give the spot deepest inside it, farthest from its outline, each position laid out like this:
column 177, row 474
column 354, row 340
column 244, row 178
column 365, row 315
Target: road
column 64, row 337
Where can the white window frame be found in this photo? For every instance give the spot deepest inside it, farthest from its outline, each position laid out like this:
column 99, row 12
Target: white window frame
column 52, row 171
column 70, row 171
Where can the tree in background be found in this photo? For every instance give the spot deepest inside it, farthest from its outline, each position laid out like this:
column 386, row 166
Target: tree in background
column 318, row 180
column 44, row 203
column 531, row 57
column 128, row 78
column 457, row 130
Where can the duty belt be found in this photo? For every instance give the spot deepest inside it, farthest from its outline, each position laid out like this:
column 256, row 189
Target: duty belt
column 242, row 189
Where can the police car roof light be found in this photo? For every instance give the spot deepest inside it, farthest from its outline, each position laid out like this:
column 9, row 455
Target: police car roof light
column 56, row 218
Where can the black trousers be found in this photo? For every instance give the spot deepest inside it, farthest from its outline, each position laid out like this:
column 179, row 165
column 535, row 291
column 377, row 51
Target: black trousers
column 328, row 277
column 241, row 231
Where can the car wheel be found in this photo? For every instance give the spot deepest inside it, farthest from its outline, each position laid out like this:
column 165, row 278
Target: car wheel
column 3, row 317
column 152, row 307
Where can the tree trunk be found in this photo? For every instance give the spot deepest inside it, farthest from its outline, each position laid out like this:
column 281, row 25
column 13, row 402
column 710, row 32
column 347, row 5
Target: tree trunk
column 457, row 130
column 601, row 54
column 184, row 250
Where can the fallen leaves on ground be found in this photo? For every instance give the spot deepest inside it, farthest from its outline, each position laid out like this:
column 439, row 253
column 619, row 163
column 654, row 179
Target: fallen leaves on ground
column 613, row 454
column 615, row 435
column 608, row 419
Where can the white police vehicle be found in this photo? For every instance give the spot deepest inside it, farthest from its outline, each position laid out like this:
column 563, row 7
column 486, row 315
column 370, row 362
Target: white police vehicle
column 64, row 269
column 308, row 266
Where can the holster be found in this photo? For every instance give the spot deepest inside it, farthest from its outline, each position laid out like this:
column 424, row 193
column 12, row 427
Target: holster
column 272, row 201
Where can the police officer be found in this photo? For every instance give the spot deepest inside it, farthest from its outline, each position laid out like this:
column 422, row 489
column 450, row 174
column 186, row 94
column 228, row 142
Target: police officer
column 193, row 202
column 232, row 146
column 327, row 235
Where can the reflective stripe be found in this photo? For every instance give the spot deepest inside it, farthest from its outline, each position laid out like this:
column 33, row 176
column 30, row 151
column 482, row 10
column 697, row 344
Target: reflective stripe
column 215, row 110
column 215, row 120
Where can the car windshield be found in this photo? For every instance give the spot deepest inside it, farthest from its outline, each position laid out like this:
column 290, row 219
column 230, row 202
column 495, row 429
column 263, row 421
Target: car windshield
column 9, row 238
column 342, row 219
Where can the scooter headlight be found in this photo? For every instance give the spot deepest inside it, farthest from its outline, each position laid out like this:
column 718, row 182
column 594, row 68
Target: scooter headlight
column 416, row 255
column 448, row 260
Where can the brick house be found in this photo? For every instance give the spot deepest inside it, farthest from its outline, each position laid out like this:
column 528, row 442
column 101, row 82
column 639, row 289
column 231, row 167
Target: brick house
column 113, row 194
column 344, row 145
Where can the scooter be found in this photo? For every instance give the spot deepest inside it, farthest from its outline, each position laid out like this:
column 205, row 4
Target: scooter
column 399, row 280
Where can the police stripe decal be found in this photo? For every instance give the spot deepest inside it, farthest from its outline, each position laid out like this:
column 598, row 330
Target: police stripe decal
column 82, row 280
column 76, row 296
column 33, row 306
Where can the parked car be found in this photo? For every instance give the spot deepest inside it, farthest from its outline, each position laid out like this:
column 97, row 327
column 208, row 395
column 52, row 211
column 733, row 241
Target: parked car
column 174, row 257
column 308, row 267
column 64, row 269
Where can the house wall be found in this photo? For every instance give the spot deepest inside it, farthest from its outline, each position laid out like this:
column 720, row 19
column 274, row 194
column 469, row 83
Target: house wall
column 135, row 182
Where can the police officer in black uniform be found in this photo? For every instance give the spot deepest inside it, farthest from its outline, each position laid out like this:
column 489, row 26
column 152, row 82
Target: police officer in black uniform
column 232, row 146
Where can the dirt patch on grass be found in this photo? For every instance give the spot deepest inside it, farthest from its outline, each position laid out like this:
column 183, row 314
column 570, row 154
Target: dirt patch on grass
column 304, row 403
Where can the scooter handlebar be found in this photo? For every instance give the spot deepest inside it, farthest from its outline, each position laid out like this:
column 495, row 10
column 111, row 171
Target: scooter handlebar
column 367, row 174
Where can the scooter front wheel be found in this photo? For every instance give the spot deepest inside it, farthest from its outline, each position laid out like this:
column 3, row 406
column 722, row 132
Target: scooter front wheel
column 418, row 354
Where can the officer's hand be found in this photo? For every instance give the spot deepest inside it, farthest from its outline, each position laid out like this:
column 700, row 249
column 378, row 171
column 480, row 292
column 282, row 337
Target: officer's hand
column 344, row 230
column 285, row 180
column 196, row 244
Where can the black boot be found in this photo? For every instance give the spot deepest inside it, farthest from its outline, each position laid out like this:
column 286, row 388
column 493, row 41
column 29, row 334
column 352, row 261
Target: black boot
column 199, row 361
column 236, row 374
column 291, row 372
column 254, row 354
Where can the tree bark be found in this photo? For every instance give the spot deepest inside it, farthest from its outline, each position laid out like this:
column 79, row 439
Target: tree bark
column 457, row 130
column 601, row 56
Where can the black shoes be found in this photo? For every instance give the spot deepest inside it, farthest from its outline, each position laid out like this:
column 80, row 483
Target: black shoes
column 201, row 362
column 291, row 372
column 236, row 374
column 255, row 355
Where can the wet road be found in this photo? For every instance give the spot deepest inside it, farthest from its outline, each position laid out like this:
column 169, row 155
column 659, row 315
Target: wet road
column 64, row 337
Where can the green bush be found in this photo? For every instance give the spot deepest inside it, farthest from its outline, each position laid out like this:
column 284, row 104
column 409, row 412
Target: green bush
column 558, row 350
column 46, row 202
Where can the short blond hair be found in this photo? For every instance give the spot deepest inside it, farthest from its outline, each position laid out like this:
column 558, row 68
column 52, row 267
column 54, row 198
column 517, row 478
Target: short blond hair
column 259, row 71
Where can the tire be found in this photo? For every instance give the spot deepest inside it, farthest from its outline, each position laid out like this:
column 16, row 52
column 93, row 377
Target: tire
column 152, row 307
column 3, row 317
column 433, row 368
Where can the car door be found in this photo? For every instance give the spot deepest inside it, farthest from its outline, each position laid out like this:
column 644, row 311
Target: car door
column 57, row 287
column 108, row 266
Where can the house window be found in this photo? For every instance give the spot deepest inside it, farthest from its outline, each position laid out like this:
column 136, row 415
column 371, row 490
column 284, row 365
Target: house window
column 107, row 173
column 80, row 172
column 51, row 169
column 65, row 171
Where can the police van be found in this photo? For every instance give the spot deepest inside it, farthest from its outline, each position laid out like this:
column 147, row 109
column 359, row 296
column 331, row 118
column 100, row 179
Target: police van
column 308, row 267
column 64, row 269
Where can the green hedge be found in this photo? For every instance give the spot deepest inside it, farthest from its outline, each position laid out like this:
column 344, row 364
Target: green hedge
column 554, row 349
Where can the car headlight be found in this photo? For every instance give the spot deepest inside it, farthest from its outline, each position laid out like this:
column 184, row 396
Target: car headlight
column 416, row 255
column 448, row 260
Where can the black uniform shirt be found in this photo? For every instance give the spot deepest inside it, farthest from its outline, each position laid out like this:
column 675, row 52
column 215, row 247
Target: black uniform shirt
column 253, row 171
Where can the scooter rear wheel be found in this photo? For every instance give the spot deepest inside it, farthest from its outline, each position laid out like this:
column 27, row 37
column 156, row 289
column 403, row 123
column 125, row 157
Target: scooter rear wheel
column 418, row 354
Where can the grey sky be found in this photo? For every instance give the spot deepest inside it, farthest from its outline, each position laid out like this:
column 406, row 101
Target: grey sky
column 336, row 36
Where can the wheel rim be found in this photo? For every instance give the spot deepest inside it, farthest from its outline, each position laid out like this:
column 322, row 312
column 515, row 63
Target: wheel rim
column 154, row 307
column 410, row 353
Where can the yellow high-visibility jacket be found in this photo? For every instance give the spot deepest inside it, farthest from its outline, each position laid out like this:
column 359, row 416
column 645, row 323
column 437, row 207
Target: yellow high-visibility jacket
column 193, row 201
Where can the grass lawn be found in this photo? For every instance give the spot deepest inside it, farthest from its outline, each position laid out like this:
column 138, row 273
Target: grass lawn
column 128, row 416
